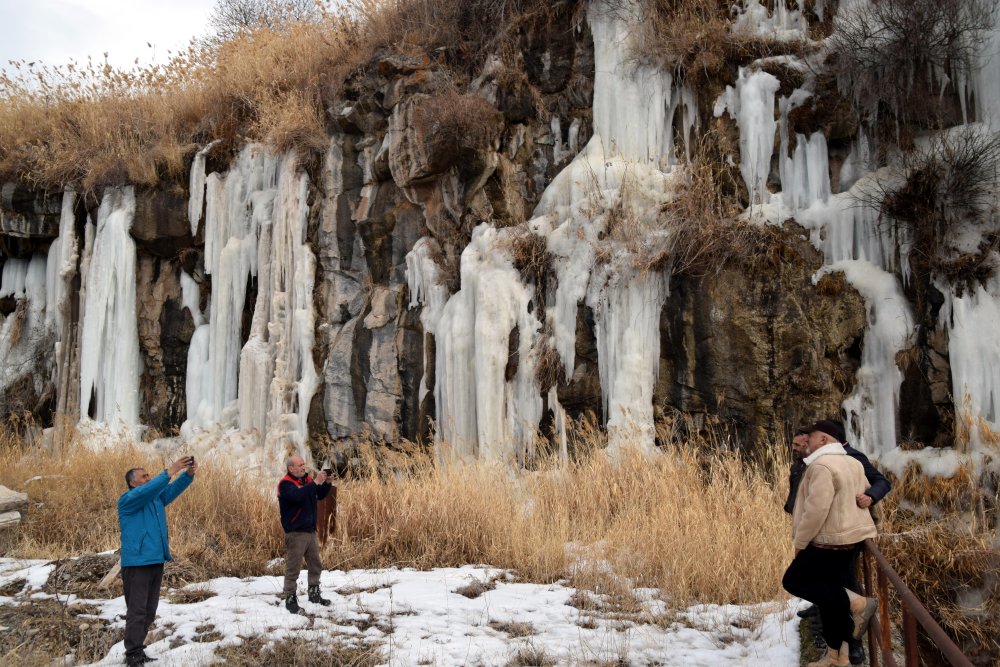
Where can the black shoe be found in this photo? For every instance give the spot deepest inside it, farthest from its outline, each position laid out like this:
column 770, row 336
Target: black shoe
column 808, row 612
column 316, row 598
column 292, row 603
column 856, row 651
column 136, row 660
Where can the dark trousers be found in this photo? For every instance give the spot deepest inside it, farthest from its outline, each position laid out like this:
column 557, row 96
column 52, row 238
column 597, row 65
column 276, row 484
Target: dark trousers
column 297, row 547
column 817, row 575
column 142, row 595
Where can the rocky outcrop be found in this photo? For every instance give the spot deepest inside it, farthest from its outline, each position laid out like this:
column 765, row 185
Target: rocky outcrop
column 416, row 153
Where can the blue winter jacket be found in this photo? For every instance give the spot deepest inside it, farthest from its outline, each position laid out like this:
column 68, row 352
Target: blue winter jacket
column 143, row 520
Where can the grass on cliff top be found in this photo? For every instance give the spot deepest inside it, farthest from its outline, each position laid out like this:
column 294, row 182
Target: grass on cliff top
column 88, row 124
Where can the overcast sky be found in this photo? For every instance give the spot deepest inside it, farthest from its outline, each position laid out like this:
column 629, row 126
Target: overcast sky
column 54, row 31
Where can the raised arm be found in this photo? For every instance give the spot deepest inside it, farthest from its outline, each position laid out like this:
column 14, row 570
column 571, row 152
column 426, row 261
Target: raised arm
column 140, row 496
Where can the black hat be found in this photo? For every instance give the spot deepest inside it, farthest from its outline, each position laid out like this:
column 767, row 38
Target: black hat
column 834, row 429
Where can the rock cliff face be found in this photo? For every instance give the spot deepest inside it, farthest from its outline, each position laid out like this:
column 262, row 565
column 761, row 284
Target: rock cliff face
column 415, row 154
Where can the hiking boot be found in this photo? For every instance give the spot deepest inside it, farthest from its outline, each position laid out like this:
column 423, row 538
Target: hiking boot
column 862, row 611
column 809, row 612
column 316, row 598
column 856, row 651
column 833, row 658
column 146, row 657
column 292, row 603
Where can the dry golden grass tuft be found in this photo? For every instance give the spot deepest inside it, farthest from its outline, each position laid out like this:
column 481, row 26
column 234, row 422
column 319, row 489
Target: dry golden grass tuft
column 696, row 41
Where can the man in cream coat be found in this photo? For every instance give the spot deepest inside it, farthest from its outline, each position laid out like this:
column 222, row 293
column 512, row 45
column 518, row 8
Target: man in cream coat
column 827, row 525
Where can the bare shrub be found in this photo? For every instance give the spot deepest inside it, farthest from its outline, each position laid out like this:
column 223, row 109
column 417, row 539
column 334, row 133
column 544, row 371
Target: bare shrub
column 231, row 18
column 704, row 231
column 893, row 54
column 949, row 185
column 531, row 256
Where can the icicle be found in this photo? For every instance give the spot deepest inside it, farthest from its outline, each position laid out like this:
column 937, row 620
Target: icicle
column 110, row 363
column 627, row 320
column 196, row 187
column 752, row 106
column 875, row 401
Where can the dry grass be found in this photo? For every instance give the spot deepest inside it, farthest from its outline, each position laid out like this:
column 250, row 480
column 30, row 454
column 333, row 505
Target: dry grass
column 654, row 521
column 89, row 124
column 694, row 39
column 705, row 232
column 336, row 652
column 651, row 520
column 36, row 630
column 940, row 535
column 215, row 529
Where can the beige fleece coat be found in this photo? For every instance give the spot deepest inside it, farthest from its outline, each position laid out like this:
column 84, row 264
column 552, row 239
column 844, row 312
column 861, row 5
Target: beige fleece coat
column 826, row 509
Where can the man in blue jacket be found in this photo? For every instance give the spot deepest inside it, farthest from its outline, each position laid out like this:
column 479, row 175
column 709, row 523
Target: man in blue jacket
column 298, row 494
column 145, row 547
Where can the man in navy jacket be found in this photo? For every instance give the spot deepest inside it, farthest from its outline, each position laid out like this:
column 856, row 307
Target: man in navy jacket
column 298, row 494
column 145, row 547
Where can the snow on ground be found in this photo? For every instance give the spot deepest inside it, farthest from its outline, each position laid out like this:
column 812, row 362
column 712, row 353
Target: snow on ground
column 419, row 618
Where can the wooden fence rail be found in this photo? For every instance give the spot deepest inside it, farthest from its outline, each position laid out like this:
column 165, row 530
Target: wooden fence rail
column 880, row 630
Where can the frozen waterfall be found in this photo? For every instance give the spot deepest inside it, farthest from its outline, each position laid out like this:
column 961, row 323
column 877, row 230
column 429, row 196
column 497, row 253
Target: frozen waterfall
column 110, row 363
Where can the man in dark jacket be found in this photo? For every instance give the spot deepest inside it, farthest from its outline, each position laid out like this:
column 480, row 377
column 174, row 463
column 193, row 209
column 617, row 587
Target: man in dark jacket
column 297, row 497
column 879, row 486
column 145, row 547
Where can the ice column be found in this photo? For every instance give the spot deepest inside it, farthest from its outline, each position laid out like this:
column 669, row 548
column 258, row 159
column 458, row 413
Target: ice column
column 23, row 333
column 237, row 205
column 110, row 363
column 751, row 105
column 277, row 376
column 628, row 329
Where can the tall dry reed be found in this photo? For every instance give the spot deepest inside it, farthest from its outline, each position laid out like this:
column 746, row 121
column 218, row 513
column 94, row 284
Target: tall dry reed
column 700, row 526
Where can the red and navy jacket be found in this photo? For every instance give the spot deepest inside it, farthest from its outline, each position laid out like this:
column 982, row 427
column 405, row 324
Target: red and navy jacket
column 297, row 502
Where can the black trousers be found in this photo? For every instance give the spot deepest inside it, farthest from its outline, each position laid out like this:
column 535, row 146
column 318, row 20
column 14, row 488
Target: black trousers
column 142, row 595
column 818, row 575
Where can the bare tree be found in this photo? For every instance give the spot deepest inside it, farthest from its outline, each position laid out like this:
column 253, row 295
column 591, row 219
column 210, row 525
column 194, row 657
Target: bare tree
column 231, row 18
column 894, row 55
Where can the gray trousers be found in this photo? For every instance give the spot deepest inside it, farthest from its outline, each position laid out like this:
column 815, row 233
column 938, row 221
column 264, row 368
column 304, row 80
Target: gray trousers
column 142, row 595
column 297, row 547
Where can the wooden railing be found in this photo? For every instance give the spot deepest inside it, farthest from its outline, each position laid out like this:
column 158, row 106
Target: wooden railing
column 880, row 630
